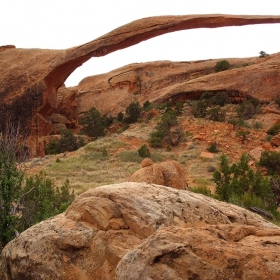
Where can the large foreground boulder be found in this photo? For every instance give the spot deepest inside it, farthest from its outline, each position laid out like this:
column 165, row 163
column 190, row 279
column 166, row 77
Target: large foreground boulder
column 145, row 231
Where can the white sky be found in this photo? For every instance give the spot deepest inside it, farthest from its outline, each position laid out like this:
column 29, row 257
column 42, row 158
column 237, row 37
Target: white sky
column 60, row 24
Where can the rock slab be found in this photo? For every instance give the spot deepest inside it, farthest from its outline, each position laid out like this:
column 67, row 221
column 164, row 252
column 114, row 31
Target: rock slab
column 145, row 231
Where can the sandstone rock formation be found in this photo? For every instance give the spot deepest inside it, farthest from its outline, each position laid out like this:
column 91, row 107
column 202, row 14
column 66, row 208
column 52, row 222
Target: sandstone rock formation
column 167, row 173
column 145, row 231
column 165, row 80
column 30, row 78
column 210, row 253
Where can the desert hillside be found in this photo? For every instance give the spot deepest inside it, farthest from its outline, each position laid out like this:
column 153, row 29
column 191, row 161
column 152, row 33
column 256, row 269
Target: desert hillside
column 157, row 170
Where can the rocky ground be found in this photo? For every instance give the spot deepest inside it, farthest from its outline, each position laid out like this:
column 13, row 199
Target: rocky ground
column 87, row 168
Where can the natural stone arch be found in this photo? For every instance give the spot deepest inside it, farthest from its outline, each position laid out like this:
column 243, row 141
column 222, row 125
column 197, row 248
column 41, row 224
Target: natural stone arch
column 22, row 77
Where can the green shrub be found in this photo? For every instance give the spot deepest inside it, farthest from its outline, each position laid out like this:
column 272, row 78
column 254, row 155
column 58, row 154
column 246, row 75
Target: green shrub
column 156, row 139
column 11, row 178
column 271, row 161
column 122, row 129
column 238, row 122
column 274, row 130
column 277, row 101
column 179, row 108
column 144, row 151
column 213, row 148
column 220, row 98
column 120, row 116
column 93, row 123
column 132, row 112
column 268, row 137
column 216, row 114
column 263, row 54
column 239, row 184
column 167, row 129
column 206, row 95
column 67, row 142
column 52, row 148
column 43, row 200
column 246, row 110
column 104, row 152
column 243, row 134
column 107, row 120
column 247, row 200
column 199, row 109
column 147, row 106
column 257, row 125
column 222, row 65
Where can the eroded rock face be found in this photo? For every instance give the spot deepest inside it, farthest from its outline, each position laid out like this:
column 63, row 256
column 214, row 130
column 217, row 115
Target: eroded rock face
column 30, row 78
column 215, row 252
column 167, row 173
column 165, row 80
column 145, row 230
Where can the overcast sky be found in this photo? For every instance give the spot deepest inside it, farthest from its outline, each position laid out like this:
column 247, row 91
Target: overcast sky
column 60, row 24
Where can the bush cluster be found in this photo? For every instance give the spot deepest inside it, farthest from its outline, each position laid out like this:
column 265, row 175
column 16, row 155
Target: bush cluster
column 239, row 184
column 67, row 142
column 24, row 203
column 248, row 109
column 167, row 129
column 274, row 130
column 210, row 106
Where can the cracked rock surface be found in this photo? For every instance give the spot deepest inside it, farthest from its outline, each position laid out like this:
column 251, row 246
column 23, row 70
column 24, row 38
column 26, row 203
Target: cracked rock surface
column 145, row 231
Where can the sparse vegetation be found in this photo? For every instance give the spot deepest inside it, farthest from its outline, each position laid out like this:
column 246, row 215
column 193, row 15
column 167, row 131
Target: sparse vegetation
column 274, row 130
column 167, row 129
column 24, row 204
column 42, row 200
column 213, row 148
column 67, row 142
column 263, row 54
column 248, row 109
column 201, row 189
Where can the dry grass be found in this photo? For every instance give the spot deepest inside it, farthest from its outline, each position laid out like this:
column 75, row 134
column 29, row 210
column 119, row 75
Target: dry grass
column 89, row 167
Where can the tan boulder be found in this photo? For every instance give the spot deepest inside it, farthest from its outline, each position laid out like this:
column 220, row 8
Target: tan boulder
column 275, row 140
column 163, row 227
column 146, row 162
column 256, row 153
column 206, row 155
column 168, row 173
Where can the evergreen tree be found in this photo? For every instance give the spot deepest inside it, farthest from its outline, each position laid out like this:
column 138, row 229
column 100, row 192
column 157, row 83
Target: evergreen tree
column 93, row 123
